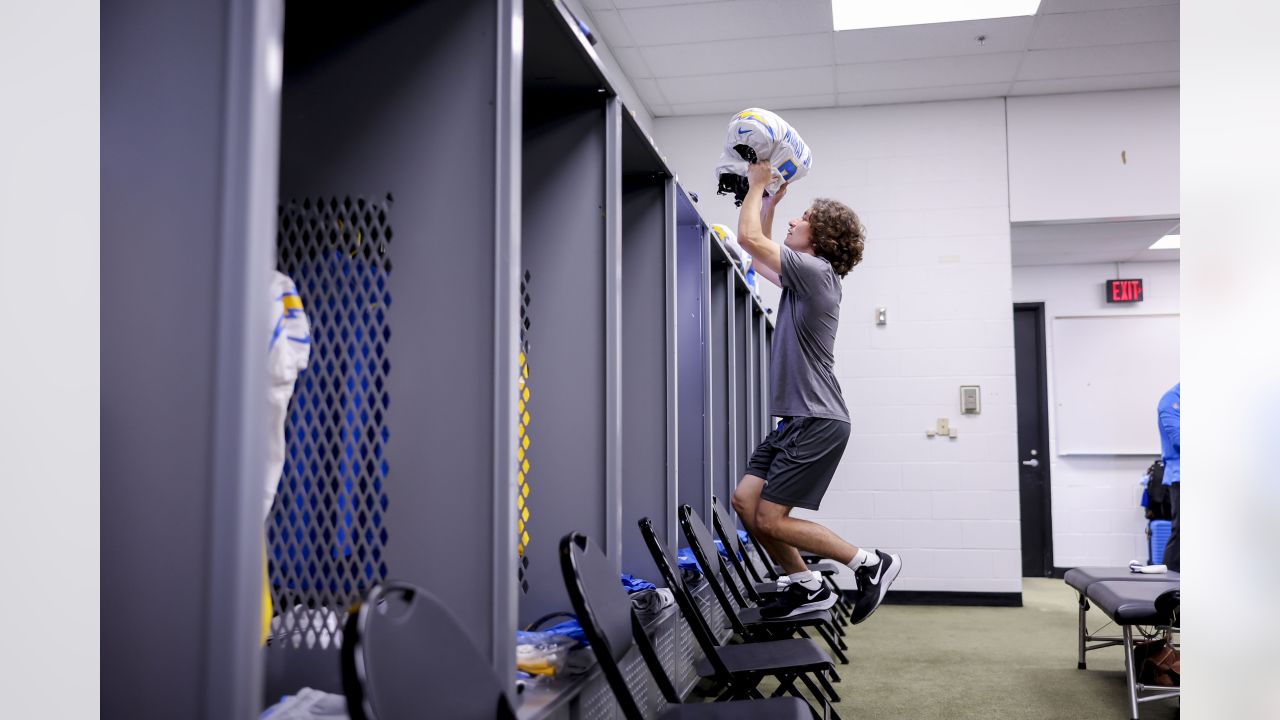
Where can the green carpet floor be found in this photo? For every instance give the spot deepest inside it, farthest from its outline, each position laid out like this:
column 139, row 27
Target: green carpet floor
column 920, row 663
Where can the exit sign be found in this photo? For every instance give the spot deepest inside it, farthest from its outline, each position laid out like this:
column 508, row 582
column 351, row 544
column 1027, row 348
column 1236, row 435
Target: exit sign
column 1124, row 291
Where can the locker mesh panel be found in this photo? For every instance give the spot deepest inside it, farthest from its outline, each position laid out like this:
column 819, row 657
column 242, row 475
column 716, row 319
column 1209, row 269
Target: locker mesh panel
column 689, row 652
column 522, row 438
column 596, row 701
column 326, row 534
column 664, row 642
column 643, row 689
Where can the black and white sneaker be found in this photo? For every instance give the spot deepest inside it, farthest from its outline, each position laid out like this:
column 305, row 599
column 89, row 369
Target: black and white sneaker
column 796, row 599
column 873, row 583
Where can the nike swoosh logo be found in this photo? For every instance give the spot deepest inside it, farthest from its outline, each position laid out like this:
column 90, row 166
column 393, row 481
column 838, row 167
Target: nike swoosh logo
column 876, row 580
column 744, row 131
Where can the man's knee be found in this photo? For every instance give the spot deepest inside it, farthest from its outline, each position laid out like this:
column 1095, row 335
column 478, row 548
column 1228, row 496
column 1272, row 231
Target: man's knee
column 745, row 498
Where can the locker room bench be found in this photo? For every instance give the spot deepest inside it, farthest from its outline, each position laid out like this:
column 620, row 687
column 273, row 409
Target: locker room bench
column 1128, row 599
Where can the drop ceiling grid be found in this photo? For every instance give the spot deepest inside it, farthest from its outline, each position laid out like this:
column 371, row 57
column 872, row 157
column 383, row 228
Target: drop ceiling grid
column 681, row 53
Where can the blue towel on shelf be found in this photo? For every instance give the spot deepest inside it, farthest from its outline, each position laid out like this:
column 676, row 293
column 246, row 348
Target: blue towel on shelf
column 686, row 560
column 634, row 584
column 569, row 628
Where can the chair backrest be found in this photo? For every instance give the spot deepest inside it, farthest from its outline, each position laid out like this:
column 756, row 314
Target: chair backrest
column 608, row 620
column 713, row 567
column 688, row 606
column 402, row 651
column 728, row 533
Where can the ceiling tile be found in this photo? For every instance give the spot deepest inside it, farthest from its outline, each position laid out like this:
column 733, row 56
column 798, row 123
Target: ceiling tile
column 609, row 23
column 1048, row 7
column 927, row 72
column 1094, row 61
column 726, row 56
column 784, row 83
column 649, row 91
column 949, row 92
column 660, row 110
column 729, row 107
column 704, row 22
column 1107, row 27
column 598, row 4
column 934, row 40
column 1094, row 84
column 631, row 62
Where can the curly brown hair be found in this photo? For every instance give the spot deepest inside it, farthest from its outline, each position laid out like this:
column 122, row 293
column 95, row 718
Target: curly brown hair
column 837, row 234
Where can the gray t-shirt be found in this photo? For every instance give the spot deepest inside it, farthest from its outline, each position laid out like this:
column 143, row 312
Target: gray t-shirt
column 801, row 369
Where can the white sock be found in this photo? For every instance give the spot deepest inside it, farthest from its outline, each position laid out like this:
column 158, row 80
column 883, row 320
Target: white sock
column 806, row 579
column 866, row 557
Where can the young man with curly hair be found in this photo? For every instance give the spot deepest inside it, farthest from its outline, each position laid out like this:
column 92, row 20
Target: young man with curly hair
column 795, row 463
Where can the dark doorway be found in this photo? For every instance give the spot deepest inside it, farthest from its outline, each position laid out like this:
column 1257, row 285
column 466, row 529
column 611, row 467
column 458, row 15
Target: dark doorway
column 1033, row 439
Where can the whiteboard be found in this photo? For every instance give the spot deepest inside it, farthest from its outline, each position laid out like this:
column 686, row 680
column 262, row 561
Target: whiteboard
column 1109, row 373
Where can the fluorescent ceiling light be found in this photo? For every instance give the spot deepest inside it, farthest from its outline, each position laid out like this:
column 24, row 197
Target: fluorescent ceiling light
column 862, row 14
column 1168, row 242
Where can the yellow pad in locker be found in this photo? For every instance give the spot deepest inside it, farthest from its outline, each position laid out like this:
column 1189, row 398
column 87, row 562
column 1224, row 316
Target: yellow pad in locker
column 266, row 599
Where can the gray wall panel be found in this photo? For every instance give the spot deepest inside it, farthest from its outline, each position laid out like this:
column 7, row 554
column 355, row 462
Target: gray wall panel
column 691, row 297
column 563, row 243
column 722, row 436
column 384, row 112
column 644, row 367
column 188, row 141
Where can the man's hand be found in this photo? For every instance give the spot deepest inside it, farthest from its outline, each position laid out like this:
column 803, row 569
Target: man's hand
column 759, row 174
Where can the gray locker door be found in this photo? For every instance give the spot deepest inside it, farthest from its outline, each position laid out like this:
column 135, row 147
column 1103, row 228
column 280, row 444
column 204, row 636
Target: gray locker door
column 189, row 131
column 693, row 371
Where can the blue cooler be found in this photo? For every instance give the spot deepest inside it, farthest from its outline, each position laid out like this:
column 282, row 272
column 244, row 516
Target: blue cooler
column 1158, row 532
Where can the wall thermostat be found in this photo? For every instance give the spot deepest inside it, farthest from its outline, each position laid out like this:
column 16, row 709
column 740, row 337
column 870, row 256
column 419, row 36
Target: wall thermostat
column 970, row 400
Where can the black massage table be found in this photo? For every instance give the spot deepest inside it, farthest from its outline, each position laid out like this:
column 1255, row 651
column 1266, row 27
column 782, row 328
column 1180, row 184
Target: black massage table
column 1129, row 599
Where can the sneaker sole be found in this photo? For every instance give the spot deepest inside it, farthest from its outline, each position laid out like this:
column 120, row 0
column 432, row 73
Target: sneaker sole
column 808, row 607
column 885, row 582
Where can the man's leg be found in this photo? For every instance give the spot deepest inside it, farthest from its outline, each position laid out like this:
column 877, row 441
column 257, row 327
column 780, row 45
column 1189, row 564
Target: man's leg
column 1172, row 557
column 745, row 500
column 779, row 527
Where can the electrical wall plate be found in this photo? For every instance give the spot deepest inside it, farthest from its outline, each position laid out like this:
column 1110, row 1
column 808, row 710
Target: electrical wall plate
column 882, row 316
column 970, row 399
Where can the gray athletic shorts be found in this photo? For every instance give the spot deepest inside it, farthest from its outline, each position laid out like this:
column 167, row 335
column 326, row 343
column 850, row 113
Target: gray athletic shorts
column 798, row 459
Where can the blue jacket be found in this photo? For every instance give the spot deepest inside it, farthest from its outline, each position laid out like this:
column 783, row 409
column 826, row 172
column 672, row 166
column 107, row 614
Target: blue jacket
column 1169, row 414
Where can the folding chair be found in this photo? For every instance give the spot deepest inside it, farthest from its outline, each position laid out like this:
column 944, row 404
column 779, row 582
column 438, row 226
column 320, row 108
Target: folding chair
column 733, row 666
column 404, row 656
column 756, row 589
column 611, row 625
column 746, row 619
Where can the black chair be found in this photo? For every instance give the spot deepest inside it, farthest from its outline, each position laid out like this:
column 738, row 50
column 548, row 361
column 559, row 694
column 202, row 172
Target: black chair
column 404, row 656
column 728, row 666
column 611, row 625
column 746, row 619
column 754, row 587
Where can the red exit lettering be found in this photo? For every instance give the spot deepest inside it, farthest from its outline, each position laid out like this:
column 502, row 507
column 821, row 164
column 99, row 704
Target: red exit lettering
column 1124, row 291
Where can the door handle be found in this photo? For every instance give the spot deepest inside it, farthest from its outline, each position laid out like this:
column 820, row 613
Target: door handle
column 1033, row 462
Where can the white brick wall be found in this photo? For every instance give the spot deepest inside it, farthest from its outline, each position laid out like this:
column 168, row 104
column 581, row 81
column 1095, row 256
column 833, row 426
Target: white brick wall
column 1096, row 517
column 929, row 181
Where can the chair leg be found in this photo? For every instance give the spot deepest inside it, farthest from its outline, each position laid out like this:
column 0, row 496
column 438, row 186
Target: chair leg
column 831, row 691
column 819, row 695
column 831, row 643
column 835, row 676
column 1130, row 673
column 786, row 684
